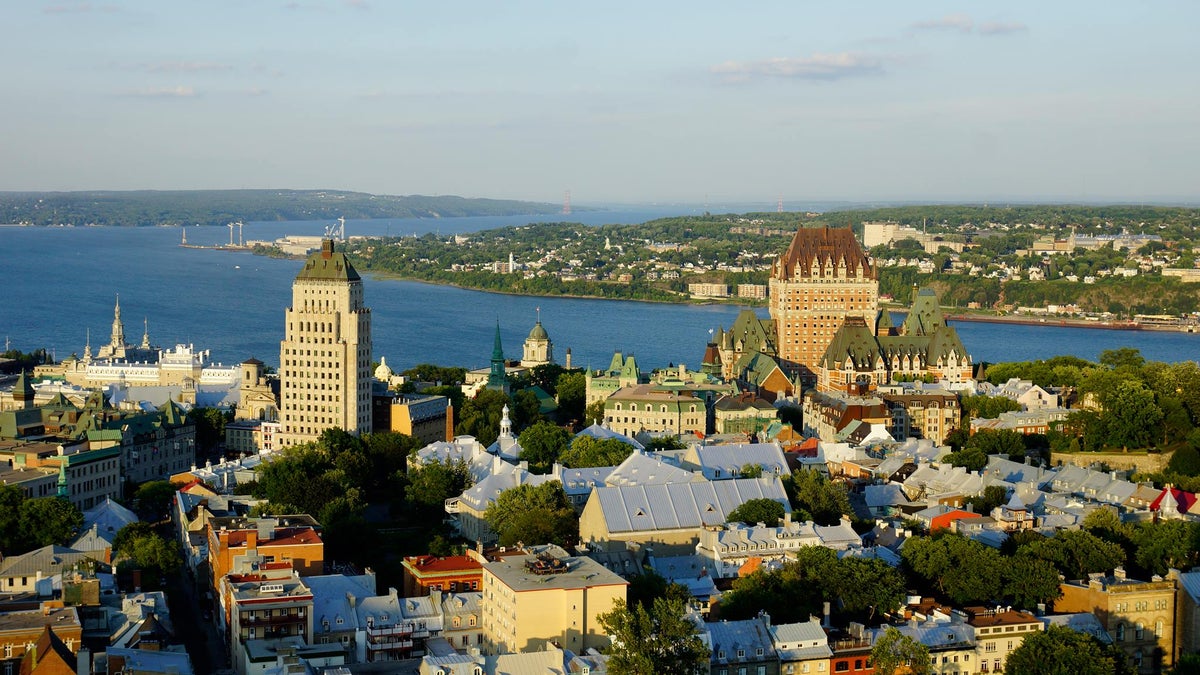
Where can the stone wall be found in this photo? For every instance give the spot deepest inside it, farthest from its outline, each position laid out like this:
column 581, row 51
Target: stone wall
column 1117, row 461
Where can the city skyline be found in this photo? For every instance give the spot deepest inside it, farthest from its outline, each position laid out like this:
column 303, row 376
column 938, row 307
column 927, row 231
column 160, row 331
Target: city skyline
column 619, row 103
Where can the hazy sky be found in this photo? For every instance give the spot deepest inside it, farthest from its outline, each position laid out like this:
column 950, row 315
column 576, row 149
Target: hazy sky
column 616, row 101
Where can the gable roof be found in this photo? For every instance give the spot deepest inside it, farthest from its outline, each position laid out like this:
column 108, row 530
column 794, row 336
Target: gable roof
column 639, row 508
column 641, row 468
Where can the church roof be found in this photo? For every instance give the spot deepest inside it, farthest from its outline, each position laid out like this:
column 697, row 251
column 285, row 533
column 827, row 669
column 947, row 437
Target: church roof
column 925, row 317
column 328, row 265
column 823, row 248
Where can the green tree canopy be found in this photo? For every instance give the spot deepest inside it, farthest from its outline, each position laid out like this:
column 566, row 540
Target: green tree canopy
column 571, row 392
column 895, row 652
column 48, row 520
column 154, row 498
column 542, row 444
column 210, row 426
column 752, row 511
column 1059, row 651
column 587, row 451
column 534, row 514
column 1076, row 553
column 432, row 484
column 813, row 493
column 659, row 640
column 480, row 416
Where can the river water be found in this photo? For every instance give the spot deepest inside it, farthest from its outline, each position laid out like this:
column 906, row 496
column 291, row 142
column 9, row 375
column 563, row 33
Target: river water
column 62, row 282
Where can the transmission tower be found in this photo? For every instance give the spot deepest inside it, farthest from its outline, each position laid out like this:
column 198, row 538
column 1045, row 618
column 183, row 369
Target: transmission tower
column 567, row 203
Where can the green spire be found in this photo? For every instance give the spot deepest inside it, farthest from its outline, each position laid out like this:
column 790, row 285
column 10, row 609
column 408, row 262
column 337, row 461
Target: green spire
column 497, row 378
column 63, row 493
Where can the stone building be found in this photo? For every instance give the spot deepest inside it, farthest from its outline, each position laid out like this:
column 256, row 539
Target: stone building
column 538, row 349
column 325, row 356
column 1139, row 615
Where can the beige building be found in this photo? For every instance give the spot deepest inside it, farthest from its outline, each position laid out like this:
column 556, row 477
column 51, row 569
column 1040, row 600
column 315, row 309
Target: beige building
column 325, row 356
column 257, row 398
column 427, row 418
column 998, row 631
column 538, row 350
column 931, row 414
column 641, row 408
column 621, row 372
column 547, row 596
column 822, row 278
column 1139, row 615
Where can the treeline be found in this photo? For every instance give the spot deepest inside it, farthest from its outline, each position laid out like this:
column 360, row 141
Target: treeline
column 218, row 207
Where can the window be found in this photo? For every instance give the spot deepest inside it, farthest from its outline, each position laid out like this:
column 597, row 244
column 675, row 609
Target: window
column 1139, row 631
column 1158, row 628
column 841, row 667
column 1120, row 632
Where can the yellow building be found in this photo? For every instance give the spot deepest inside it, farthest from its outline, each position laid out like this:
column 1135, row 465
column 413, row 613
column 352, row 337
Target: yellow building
column 325, row 356
column 998, row 631
column 644, row 407
column 429, row 419
column 547, row 596
column 822, row 278
column 1139, row 615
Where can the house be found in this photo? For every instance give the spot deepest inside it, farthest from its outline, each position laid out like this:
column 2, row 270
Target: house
column 803, row 647
column 998, row 631
column 723, row 462
column 22, row 629
column 452, row 574
column 1140, row 615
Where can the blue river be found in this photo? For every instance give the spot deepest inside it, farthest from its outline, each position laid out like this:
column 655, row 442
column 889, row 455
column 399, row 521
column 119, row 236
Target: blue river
column 61, row 283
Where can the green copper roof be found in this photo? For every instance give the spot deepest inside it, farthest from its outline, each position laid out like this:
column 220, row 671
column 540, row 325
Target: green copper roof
column 328, row 265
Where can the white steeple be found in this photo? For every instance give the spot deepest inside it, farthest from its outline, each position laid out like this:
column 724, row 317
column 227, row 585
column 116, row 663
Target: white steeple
column 505, row 424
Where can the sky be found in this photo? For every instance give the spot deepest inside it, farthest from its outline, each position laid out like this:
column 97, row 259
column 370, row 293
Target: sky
column 615, row 101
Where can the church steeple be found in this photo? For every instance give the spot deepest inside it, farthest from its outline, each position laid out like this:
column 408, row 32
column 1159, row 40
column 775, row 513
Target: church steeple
column 87, row 347
column 145, row 333
column 63, row 492
column 118, row 328
column 497, row 378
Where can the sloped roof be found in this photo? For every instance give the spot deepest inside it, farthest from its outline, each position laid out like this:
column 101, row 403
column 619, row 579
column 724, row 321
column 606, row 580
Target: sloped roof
column 822, row 248
column 750, row 635
column 49, row 560
column 328, row 265
column 639, row 508
column 108, row 516
column 732, row 457
column 49, row 655
column 601, row 432
column 640, row 468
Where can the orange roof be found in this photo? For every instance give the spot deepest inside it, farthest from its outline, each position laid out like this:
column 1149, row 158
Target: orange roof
column 750, row 566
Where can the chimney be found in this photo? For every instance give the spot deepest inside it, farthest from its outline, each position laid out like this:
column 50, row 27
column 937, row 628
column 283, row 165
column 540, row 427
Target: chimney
column 392, row 592
column 825, row 613
column 435, row 597
column 83, row 662
column 1119, row 573
column 351, row 599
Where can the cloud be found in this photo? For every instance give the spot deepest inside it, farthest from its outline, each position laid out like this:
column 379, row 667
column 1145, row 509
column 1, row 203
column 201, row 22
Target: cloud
column 185, row 67
column 78, row 8
column 816, row 67
column 179, row 91
column 958, row 22
column 1002, row 27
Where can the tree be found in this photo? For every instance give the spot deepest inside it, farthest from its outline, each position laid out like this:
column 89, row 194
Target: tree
column 664, row 443
column 541, row 445
column 750, row 471
column 1076, row 553
column 1167, row 544
column 572, row 393
column 1131, row 417
column 534, row 514
column 432, row 484
column 525, row 409
column 963, row 570
column 123, row 541
column 1029, row 582
column 1059, row 651
column 972, row 459
column 993, row 496
column 11, row 498
column 895, row 653
column 812, row 492
column 988, row 407
column 998, row 442
column 593, row 413
column 661, row 640
column 154, row 498
column 480, row 416
column 48, row 520
column 210, row 426
column 588, row 451
column 153, row 555
column 1123, row 357
column 766, row 511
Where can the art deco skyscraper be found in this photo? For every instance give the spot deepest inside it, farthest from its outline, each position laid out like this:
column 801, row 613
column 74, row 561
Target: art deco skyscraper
column 325, row 356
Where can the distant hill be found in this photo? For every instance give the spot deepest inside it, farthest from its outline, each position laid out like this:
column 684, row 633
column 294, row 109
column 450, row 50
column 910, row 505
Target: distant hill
column 218, row 207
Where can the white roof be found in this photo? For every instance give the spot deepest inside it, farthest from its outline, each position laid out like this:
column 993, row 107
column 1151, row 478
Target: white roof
column 638, row 508
column 109, row 517
column 601, row 432
column 331, row 602
column 640, row 468
column 729, row 459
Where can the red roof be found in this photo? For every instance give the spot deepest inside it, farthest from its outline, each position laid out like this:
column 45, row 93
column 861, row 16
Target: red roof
column 283, row 536
column 1174, row 498
column 453, row 563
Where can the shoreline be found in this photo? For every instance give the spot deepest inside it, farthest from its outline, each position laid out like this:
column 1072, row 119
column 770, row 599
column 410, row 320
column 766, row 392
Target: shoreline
column 1066, row 322
column 390, row 276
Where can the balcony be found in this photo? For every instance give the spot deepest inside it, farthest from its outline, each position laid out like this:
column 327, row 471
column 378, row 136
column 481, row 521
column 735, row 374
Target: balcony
column 272, row 620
